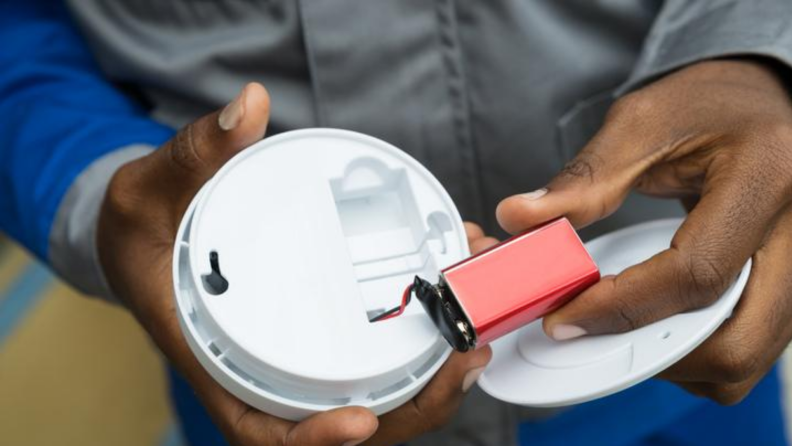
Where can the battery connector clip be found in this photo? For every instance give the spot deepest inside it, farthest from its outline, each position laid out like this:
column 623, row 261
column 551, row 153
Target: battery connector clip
column 445, row 313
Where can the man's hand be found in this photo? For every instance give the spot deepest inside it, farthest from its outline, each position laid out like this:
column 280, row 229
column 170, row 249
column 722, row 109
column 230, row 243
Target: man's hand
column 718, row 135
column 143, row 207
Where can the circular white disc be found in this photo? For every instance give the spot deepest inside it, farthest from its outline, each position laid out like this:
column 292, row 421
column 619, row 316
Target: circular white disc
column 530, row 369
column 315, row 231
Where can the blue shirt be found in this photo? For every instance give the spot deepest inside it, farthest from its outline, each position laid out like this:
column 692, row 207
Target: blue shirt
column 58, row 115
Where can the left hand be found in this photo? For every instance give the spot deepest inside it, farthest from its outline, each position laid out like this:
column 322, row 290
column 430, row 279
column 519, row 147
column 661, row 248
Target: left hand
column 718, row 135
column 143, row 207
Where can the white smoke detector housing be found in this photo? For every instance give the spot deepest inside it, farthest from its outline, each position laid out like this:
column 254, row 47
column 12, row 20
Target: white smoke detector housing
column 314, row 231
column 285, row 254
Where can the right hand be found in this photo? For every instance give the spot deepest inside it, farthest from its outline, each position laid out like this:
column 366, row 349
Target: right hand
column 143, row 208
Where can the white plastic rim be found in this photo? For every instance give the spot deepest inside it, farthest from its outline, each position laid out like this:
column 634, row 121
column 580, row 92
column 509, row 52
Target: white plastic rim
column 315, row 230
column 530, row 369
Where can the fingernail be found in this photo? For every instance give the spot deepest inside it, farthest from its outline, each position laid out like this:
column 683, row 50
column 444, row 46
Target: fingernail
column 471, row 377
column 563, row 332
column 232, row 114
column 535, row 195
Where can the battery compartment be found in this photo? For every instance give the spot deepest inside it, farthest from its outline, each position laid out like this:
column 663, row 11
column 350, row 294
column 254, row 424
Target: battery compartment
column 387, row 239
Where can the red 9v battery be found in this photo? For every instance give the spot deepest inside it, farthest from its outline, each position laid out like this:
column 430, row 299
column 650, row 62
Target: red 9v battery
column 509, row 285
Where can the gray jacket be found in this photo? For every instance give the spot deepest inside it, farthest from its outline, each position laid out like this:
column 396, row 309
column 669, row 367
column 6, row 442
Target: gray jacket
column 492, row 96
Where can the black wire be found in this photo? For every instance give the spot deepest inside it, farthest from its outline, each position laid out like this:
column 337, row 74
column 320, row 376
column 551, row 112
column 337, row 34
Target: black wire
column 384, row 314
column 387, row 313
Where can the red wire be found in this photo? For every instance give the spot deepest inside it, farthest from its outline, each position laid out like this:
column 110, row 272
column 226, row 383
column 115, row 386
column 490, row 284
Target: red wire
column 405, row 300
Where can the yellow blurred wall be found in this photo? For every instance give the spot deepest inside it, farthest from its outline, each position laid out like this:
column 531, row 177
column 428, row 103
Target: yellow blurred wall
column 73, row 371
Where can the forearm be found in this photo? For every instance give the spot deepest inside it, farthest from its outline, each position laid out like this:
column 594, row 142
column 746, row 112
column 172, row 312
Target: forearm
column 60, row 116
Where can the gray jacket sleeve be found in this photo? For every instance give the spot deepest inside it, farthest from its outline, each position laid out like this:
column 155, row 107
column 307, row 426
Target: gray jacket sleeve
column 72, row 244
column 686, row 31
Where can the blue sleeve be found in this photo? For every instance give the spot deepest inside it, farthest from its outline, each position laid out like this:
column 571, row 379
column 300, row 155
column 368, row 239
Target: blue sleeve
column 57, row 115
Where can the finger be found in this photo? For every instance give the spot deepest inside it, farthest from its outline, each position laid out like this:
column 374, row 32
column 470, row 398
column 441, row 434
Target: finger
column 706, row 254
column 481, row 244
column 198, row 150
column 351, row 425
column 747, row 345
column 348, row 425
column 436, row 403
column 473, row 231
column 589, row 188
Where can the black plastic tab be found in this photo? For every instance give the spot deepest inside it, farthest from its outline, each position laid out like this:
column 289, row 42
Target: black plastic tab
column 443, row 309
column 214, row 283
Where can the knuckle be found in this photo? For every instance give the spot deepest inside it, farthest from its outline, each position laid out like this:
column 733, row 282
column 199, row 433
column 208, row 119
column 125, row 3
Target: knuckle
column 583, row 166
column 120, row 198
column 736, row 364
column 702, row 281
column 626, row 314
column 583, row 170
column 728, row 395
column 631, row 107
column 626, row 320
column 183, row 150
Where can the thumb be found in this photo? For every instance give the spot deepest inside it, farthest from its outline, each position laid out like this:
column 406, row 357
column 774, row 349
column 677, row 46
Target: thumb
column 199, row 149
column 589, row 188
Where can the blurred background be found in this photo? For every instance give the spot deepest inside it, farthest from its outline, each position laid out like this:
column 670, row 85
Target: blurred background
column 73, row 370
column 77, row 371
